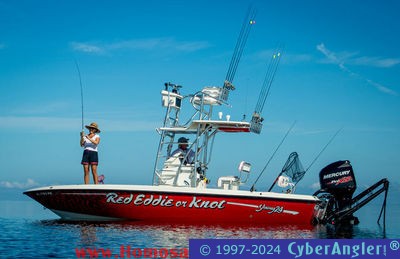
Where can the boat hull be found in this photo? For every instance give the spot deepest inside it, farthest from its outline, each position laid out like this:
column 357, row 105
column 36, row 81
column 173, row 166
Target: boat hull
column 174, row 204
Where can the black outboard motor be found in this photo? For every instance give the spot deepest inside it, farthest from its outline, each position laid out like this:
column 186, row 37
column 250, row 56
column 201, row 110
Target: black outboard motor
column 338, row 179
column 338, row 183
column 337, row 203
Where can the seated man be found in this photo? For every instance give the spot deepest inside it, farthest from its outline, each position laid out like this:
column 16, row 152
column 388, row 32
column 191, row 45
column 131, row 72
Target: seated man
column 184, row 152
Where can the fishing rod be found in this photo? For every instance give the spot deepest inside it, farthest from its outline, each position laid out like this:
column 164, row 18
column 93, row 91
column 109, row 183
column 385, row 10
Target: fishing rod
column 248, row 21
column 257, row 119
column 273, row 154
column 269, row 78
column 80, row 83
column 294, row 155
column 323, row 149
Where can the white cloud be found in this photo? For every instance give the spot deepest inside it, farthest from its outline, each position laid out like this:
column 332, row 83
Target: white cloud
column 49, row 117
column 192, row 46
column 19, row 185
column 86, row 47
column 128, row 126
column 140, row 44
column 50, row 124
column 36, row 123
column 375, row 61
column 288, row 57
column 353, row 58
column 328, row 54
column 342, row 59
column 380, row 87
column 42, row 108
column 315, row 186
column 311, row 131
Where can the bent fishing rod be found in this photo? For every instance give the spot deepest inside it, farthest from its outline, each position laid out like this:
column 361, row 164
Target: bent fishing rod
column 80, row 83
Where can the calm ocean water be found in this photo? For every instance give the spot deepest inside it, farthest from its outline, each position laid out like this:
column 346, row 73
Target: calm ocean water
column 29, row 231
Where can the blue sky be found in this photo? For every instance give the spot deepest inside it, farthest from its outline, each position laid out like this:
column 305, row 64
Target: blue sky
column 340, row 68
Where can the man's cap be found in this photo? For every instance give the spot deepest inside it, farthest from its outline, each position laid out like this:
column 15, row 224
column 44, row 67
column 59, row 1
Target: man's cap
column 183, row 140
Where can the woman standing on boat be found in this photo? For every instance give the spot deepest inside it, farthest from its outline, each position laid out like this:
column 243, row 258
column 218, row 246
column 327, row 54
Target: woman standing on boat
column 90, row 156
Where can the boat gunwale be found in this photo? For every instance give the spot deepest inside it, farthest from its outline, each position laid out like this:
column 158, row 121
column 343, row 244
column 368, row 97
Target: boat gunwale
column 170, row 190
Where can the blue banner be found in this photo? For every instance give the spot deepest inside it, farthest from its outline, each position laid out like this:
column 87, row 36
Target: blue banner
column 294, row 248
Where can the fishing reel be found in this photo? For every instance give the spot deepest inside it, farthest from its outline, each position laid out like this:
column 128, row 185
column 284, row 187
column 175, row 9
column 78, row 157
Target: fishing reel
column 228, row 85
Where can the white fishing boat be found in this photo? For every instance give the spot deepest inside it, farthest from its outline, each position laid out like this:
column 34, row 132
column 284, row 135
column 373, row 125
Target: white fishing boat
column 180, row 191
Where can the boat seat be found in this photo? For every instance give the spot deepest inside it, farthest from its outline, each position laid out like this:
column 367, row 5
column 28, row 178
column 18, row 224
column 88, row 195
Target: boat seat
column 170, row 170
column 228, row 182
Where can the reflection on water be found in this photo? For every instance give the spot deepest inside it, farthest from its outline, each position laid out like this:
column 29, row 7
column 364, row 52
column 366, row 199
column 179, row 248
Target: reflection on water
column 348, row 232
column 175, row 235
column 88, row 235
column 167, row 235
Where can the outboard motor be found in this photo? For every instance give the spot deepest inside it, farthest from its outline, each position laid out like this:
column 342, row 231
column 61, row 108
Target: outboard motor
column 336, row 195
column 337, row 187
column 338, row 179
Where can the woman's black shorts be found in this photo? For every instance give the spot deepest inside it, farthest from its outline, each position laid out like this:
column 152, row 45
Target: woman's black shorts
column 90, row 158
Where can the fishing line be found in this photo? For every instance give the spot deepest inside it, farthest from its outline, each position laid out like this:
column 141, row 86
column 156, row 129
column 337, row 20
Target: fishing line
column 265, row 167
column 80, row 83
